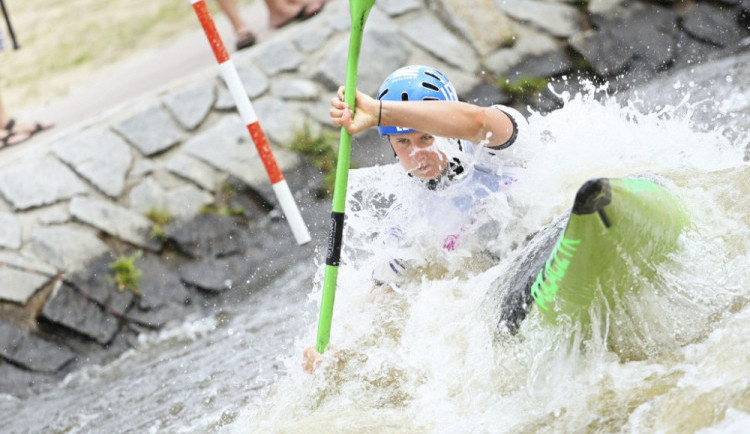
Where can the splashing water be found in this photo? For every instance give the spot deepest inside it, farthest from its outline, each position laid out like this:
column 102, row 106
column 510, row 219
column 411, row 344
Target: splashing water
column 426, row 358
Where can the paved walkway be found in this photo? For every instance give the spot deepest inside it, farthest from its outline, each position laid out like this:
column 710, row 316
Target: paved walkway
column 135, row 78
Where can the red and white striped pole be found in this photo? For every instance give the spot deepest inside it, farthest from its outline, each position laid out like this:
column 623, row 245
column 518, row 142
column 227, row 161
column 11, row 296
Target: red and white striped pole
column 242, row 101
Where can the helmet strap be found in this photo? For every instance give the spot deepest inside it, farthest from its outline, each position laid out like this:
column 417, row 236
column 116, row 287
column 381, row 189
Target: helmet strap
column 388, row 140
column 451, row 172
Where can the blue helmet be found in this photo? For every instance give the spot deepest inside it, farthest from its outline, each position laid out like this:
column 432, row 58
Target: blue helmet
column 414, row 83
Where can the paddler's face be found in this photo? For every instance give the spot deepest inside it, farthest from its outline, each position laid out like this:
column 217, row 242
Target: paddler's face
column 418, row 155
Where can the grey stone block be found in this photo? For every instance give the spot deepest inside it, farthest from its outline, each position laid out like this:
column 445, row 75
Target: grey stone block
column 67, row 247
column 191, row 104
column 37, row 184
column 119, row 222
column 151, row 131
column 32, row 352
column 101, row 157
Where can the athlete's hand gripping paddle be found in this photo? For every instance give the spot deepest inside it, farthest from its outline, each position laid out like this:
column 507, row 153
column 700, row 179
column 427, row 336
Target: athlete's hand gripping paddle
column 360, row 9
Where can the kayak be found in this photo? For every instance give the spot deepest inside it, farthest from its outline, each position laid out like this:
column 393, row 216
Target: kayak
column 617, row 233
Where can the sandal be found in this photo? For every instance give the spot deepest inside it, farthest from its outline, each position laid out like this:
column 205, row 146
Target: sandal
column 245, row 40
column 9, row 133
column 8, row 128
column 304, row 13
column 20, row 135
column 7, row 140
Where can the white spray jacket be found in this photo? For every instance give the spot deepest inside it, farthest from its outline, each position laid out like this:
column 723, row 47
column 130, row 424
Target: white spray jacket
column 449, row 218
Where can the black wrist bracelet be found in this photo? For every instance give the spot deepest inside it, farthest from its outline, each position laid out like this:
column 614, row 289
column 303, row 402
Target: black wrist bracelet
column 380, row 111
column 513, row 135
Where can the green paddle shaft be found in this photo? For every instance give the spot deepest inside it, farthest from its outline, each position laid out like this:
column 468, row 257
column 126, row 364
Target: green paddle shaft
column 360, row 9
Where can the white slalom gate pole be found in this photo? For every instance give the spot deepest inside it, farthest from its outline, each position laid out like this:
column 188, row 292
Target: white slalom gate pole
column 245, row 107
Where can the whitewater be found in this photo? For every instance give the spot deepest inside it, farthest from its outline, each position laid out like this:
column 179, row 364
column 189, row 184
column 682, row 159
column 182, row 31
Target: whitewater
column 427, row 358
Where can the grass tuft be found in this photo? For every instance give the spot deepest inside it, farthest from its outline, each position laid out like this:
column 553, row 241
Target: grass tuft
column 524, row 87
column 127, row 274
column 322, row 154
column 160, row 217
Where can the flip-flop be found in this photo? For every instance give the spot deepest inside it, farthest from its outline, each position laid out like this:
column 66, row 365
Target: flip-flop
column 6, row 141
column 246, row 40
column 38, row 127
column 8, row 128
column 302, row 15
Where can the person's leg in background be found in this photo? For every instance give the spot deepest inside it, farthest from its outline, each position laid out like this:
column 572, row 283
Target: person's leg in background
column 280, row 13
column 245, row 38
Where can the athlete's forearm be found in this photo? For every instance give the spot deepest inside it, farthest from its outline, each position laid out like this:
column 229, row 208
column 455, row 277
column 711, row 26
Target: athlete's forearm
column 453, row 119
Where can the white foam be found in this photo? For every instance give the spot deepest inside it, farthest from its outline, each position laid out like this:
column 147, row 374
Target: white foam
column 424, row 359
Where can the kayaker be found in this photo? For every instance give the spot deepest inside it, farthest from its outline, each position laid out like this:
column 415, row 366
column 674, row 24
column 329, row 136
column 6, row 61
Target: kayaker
column 438, row 140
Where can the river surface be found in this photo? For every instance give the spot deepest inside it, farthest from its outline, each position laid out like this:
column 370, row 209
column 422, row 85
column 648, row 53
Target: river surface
column 425, row 358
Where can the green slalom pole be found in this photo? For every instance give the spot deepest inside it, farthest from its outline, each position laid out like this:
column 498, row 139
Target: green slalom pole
column 360, row 9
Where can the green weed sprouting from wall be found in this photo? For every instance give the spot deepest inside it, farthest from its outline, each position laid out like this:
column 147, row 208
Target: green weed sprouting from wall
column 222, row 206
column 321, row 152
column 159, row 217
column 127, row 274
column 523, row 87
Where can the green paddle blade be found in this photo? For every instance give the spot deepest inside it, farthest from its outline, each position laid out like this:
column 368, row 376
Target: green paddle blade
column 619, row 230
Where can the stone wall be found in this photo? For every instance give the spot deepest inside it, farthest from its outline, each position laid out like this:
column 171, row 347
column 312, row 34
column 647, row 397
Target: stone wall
column 71, row 210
